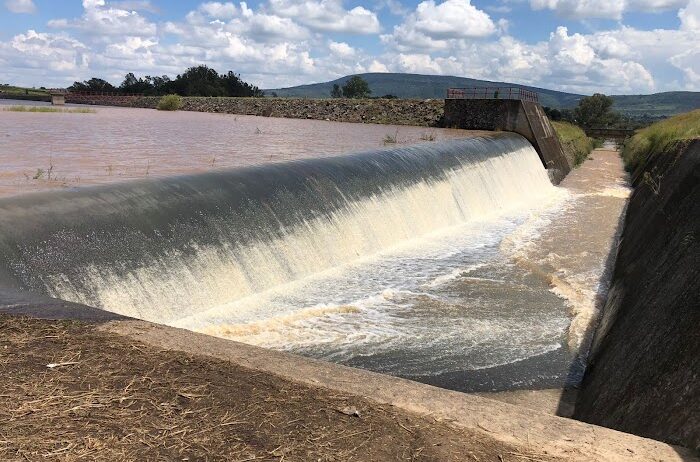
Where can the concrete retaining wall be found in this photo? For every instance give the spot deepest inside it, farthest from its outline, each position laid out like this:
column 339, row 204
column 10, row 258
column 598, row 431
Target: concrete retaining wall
column 643, row 376
column 523, row 117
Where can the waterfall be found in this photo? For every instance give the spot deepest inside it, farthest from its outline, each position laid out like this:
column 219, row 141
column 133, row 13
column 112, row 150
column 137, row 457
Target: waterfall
column 165, row 249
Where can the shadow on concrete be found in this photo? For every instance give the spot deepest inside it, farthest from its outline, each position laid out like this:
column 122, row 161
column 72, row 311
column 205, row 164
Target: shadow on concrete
column 23, row 303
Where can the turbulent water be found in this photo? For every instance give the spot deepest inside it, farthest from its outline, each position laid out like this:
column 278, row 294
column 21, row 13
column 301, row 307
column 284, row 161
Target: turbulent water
column 405, row 261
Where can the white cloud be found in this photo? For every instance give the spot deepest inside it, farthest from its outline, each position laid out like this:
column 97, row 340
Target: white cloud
column 395, row 7
column 49, row 58
column 611, row 9
column 342, row 49
column 690, row 16
column 376, row 66
column 101, row 20
column 569, row 62
column 327, row 15
column 452, row 19
column 289, row 42
column 219, row 10
column 20, row 6
column 136, row 5
column 434, row 27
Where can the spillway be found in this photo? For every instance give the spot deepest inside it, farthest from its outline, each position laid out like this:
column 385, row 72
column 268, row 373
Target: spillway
column 343, row 257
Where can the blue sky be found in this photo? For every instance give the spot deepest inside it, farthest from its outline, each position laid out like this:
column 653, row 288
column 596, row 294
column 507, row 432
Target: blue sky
column 612, row 46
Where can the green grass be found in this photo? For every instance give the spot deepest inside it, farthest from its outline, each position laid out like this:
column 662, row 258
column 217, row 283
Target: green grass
column 73, row 110
column 659, row 136
column 12, row 90
column 574, row 141
column 169, row 103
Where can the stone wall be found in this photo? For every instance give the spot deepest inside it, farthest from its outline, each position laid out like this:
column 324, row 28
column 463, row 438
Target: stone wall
column 382, row 111
column 643, row 375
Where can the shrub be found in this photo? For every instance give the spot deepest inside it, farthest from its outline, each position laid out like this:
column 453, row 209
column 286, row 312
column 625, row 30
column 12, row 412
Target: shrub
column 169, row 103
column 657, row 137
column 574, row 141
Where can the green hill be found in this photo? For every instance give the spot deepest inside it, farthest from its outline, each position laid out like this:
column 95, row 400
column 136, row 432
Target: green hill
column 435, row 86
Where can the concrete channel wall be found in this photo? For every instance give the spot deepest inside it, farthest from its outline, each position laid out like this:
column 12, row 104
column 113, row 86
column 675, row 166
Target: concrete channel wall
column 643, row 376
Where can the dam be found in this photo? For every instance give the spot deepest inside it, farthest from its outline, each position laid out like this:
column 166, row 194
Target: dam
column 452, row 262
column 412, row 260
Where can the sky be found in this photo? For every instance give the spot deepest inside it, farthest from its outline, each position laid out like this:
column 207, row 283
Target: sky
column 585, row 46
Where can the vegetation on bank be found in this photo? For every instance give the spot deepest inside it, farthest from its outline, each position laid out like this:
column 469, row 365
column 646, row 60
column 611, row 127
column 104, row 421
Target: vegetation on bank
column 8, row 89
column 169, row 103
column 574, row 141
column 195, row 81
column 73, row 110
column 659, row 136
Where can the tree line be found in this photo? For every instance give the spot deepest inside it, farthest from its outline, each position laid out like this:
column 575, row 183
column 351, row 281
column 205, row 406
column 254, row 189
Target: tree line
column 591, row 112
column 195, row 81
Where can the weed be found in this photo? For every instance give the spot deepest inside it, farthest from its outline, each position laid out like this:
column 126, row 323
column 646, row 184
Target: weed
column 428, row 136
column 77, row 110
column 39, row 174
column 653, row 181
column 169, row 103
column 392, row 139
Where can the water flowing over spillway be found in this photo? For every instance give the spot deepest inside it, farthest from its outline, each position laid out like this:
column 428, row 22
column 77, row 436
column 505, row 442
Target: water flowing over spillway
column 362, row 259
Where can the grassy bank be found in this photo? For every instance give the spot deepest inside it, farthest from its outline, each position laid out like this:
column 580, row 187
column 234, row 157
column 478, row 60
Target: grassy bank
column 576, row 144
column 657, row 137
column 12, row 90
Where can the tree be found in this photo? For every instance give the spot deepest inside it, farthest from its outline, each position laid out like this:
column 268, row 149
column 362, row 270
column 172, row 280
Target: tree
column 234, row 86
column 195, row 81
column 553, row 113
column 336, row 92
column 356, row 87
column 596, row 111
column 133, row 85
column 199, row 81
column 94, row 84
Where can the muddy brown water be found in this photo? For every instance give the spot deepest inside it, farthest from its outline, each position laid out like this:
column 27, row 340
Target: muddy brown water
column 40, row 151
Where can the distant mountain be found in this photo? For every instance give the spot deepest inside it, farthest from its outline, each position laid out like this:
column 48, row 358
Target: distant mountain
column 435, row 86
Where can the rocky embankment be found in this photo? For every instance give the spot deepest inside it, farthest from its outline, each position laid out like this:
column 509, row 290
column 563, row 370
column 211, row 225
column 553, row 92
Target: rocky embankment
column 645, row 361
column 427, row 113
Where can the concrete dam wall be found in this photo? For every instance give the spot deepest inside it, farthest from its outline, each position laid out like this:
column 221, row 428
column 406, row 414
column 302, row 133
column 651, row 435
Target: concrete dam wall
column 643, row 375
column 169, row 248
column 524, row 117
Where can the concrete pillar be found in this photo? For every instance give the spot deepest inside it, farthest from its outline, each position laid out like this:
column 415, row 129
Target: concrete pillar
column 58, row 99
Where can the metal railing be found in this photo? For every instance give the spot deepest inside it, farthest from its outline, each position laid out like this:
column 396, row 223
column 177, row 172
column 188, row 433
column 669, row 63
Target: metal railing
column 492, row 93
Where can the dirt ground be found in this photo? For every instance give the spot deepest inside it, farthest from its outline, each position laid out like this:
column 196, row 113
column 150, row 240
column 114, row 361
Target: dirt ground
column 71, row 392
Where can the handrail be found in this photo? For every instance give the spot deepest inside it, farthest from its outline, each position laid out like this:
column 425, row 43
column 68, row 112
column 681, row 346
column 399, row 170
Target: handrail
column 492, row 93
